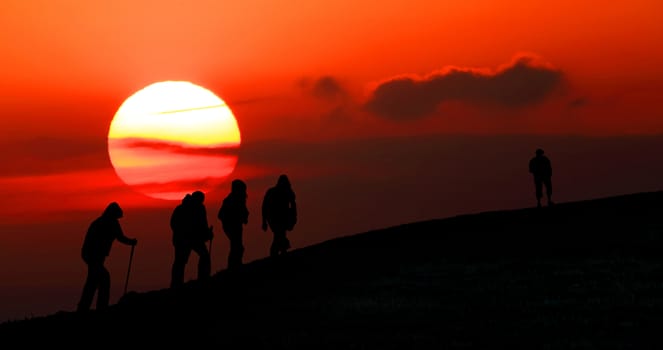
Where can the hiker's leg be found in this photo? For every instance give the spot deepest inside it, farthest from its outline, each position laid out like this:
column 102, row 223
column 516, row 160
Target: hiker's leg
column 281, row 241
column 179, row 264
column 232, row 253
column 236, row 250
column 231, row 257
column 548, row 184
column 89, row 288
column 538, row 187
column 239, row 248
column 204, row 260
column 274, row 248
column 286, row 243
column 103, row 296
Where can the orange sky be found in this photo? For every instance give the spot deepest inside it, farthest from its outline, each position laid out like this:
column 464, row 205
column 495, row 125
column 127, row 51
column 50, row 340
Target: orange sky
column 369, row 97
column 60, row 52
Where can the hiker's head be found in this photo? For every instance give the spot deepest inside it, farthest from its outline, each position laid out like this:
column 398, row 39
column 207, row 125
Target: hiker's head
column 113, row 210
column 187, row 198
column 539, row 152
column 283, row 181
column 238, row 186
column 198, row 196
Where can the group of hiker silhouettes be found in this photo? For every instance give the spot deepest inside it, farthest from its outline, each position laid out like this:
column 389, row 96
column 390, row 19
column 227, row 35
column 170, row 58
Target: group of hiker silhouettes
column 190, row 232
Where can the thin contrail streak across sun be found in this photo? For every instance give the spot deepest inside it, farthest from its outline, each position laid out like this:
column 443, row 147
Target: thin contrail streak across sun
column 190, row 109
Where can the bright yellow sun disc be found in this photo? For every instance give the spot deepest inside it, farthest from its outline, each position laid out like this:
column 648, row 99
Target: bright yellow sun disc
column 173, row 137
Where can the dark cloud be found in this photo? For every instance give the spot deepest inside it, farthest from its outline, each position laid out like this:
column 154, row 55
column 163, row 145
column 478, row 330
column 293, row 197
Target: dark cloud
column 187, row 185
column 328, row 88
column 521, row 83
column 49, row 155
column 175, row 148
column 325, row 88
column 578, row 102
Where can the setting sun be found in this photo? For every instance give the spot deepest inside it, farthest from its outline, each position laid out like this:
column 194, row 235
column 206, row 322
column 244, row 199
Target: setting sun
column 173, row 137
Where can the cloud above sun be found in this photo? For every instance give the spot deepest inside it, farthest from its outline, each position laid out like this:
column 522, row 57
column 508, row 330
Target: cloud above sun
column 525, row 81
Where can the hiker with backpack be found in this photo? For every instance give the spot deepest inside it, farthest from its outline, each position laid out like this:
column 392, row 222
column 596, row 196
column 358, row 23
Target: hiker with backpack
column 279, row 213
column 99, row 238
column 233, row 215
column 190, row 229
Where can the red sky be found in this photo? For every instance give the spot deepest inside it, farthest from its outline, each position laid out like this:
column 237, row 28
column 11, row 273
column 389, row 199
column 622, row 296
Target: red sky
column 382, row 112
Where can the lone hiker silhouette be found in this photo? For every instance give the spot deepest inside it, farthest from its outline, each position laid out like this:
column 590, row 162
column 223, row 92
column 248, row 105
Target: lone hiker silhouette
column 541, row 169
column 279, row 213
column 101, row 234
column 233, row 215
column 190, row 232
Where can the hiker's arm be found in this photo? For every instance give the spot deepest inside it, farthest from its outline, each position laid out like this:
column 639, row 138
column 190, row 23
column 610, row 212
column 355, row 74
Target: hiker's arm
column 122, row 238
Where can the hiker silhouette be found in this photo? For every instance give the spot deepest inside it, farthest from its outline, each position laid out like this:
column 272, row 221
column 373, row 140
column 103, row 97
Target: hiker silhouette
column 541, row 169
column 99, row 238
column 279, row 213
column 188, row 223
column 233, row 214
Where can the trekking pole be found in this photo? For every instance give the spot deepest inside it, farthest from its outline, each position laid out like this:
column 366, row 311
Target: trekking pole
column 131, row 257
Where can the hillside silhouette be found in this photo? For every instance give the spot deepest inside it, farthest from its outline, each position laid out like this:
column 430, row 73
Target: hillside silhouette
column 586, row 274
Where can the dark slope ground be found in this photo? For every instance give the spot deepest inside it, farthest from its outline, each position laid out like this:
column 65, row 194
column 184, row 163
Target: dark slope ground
column 586, row 275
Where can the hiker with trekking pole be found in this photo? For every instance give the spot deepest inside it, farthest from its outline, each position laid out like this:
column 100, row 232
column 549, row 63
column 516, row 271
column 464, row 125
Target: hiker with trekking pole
column 191, row 232
column 99, row 238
